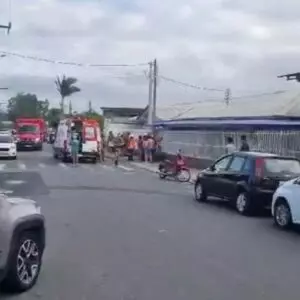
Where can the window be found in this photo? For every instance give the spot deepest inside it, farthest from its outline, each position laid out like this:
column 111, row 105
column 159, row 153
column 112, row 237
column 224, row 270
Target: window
column 222, row 164
column 5, row 139
column 28, row 128
column 248, row 165
column 89, row 132
column 237, row 164
column 281, row 166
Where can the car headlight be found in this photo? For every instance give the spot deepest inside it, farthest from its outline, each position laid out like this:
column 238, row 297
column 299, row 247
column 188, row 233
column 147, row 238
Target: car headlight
column 37, row 139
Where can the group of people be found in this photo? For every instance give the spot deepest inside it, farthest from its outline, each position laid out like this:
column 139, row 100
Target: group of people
column 230, row 146
column 144, row 147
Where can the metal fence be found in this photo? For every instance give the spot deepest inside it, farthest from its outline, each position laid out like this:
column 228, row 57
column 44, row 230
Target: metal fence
column 211, row 144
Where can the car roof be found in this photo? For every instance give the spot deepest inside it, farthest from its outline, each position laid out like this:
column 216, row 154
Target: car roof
column 263, row 154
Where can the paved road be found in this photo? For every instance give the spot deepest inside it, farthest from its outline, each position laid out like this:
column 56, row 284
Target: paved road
column 124, row 234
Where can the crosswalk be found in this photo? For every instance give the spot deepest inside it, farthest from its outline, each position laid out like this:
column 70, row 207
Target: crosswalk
column 23, row 166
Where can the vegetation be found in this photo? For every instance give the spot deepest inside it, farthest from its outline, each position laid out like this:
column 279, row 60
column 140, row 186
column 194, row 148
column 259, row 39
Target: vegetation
column 66, row 87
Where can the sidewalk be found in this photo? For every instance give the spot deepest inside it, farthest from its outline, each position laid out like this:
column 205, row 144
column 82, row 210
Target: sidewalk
column 153, row 167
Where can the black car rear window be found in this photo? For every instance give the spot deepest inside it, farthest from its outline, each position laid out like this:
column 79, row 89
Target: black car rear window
column 279, row 166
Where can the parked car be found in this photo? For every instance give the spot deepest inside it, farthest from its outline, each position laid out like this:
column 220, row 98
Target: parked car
column 286, row 205
column 247, row 180
column 22, row 242
column 8, row 147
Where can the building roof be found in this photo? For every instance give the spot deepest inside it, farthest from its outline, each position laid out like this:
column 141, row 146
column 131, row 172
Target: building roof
column 122, row 111
column 283, row 103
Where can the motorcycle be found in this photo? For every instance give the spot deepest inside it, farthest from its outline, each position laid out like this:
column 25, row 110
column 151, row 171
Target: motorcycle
column 167, row 169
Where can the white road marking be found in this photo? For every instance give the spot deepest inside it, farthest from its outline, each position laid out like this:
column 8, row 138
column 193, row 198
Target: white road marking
column 2, row 166
column 108, row 168
column 125, row 168
column 62, row 165
column 22, row 166
column 41, row 165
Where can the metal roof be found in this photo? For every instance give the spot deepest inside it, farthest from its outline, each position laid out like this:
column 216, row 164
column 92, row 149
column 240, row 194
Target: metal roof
column 282, row 103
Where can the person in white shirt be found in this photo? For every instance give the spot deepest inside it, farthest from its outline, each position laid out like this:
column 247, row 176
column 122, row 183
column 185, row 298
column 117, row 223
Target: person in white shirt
column 230, row 147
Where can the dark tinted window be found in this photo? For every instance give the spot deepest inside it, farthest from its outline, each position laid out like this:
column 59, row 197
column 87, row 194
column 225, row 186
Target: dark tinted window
column 28, row 128
column 237, row 164
column 279, row 166
column 5, row 139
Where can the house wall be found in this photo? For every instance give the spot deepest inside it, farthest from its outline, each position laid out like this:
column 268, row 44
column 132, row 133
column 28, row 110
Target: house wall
column 210, row 144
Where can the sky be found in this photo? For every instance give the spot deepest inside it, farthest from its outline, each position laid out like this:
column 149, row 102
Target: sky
column 237, row 44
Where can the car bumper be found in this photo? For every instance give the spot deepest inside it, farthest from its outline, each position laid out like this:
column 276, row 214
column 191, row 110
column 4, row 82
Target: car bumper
column 262, row 198
column 29, row 145
column 7, row 154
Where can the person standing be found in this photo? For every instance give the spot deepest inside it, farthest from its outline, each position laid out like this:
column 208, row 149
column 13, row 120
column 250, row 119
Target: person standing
column 146, row 148
column 245, row 146
column 230, row 147
column 74, row 149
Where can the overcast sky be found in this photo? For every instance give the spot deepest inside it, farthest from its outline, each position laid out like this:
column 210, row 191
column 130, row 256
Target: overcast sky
column 239, row 44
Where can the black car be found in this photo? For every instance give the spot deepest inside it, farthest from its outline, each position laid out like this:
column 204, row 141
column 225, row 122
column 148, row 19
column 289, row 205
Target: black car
column 246, row 179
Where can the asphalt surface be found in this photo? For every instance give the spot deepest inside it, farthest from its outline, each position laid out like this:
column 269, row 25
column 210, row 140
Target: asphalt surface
column 123, row 234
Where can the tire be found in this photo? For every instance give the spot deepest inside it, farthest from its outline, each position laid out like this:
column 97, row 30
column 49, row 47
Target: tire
column 94, row 161
column 185, row 179
column 14, row 157
column 162, row 173
column 243, row 204
column 13, row 281
column 55, row 156
column 199, row 193
column 282, row 215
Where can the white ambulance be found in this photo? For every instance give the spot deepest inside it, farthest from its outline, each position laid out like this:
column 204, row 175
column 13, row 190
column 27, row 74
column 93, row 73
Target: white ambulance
column 89, row 136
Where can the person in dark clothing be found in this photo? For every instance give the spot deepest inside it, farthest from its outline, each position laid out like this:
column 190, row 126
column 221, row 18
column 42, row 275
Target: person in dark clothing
column 245, row 146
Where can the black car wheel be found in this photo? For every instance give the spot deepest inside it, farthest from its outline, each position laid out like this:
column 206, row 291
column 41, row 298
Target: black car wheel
column 199, row 193
column 282, row 214
column 243, row 204
column 25, row 263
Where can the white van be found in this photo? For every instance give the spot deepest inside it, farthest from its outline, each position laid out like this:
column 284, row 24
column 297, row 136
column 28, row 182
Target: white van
column 90, row 139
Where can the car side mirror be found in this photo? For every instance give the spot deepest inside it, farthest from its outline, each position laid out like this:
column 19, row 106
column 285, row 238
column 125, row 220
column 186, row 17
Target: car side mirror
column 212, row 168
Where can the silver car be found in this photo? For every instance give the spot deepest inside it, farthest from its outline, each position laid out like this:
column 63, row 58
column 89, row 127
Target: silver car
column 22, row 243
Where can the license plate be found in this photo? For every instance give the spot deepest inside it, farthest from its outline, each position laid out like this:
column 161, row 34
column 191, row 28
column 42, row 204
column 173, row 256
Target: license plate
column 28, row 146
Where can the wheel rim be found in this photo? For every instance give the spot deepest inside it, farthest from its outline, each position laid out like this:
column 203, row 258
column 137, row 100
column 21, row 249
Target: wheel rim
column 183, row 175
column 28, row 262
column 282, row 215
column 241, row 202
column 198, row 191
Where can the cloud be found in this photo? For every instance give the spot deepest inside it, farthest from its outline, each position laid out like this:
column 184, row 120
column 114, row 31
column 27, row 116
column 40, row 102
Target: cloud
column 239, row 44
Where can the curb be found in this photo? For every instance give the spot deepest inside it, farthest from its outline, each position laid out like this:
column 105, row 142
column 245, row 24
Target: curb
column 192, row 181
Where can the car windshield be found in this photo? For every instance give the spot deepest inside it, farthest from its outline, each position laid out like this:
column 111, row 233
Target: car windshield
column 282, row 166
column 28, row 128
column 5, row 139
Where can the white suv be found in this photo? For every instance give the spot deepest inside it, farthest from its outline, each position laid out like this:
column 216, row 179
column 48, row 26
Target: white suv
column 22, row 243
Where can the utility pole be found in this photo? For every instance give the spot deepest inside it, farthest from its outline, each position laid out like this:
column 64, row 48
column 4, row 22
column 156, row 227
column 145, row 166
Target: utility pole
column 227, row 96
column 90, row 106
column 155, row 74
column 7, row 27
column 150, row 94
column 70, row 108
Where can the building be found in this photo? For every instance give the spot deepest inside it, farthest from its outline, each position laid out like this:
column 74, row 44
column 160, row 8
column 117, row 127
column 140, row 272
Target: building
column 124, row 119
column 270, row 121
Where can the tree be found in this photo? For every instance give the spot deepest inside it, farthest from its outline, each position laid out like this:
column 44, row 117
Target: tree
column 53, row 116
column 95, row 116
column 66, row 87
column 23, row 105
column 43, row 108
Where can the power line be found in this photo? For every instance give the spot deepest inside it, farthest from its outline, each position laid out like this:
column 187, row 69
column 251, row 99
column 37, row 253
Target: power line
column 52, row 61
column 189, row 85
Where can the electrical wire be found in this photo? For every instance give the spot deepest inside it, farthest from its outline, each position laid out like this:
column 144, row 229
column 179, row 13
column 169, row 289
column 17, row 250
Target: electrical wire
column 45, row 60
column 189, row 85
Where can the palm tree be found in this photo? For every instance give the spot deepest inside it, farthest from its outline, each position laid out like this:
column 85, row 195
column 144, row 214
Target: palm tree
column 65, row 86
